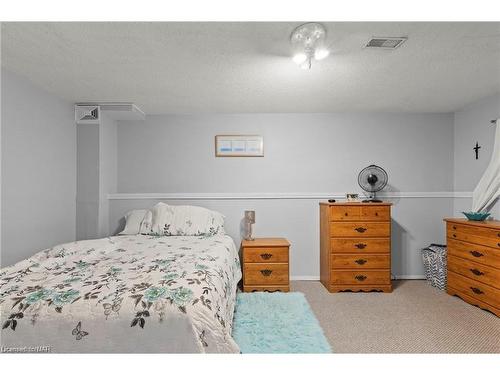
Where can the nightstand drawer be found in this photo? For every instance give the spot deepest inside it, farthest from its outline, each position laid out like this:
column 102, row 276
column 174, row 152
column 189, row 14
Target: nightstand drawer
column 360, row 261
column 265, row 254
column 265, row 273
column 360, row 246
column 360, row 229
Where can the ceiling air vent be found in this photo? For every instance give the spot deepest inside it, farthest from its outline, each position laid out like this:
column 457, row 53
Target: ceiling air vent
column 385, row 43
column 87, row 114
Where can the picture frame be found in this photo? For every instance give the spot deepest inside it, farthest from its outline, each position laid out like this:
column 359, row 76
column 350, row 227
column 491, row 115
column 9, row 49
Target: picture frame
column 239, row 146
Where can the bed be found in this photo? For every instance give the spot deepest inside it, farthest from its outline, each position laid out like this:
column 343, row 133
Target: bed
column 132, row 293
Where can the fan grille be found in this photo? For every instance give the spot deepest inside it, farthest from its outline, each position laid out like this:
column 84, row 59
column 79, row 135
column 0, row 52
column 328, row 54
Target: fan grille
column 372, row 178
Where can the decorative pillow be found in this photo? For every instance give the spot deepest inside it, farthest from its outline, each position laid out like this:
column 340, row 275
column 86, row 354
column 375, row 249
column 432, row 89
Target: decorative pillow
column 136, row 221
column 194, row 221
column 162, row 214
column 147, row 223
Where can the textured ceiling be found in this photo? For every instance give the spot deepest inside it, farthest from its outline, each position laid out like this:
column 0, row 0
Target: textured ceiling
column 246, row 67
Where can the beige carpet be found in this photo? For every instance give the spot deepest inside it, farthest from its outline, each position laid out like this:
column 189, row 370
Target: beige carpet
column 414, row 318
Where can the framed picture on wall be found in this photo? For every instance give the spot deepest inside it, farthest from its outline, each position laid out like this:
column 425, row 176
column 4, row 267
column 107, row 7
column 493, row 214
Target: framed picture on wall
column 239, row 145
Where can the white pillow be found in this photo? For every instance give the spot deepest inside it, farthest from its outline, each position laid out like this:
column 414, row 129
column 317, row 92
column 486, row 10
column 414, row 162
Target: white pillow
column 146, row 223
column 162, row 214
column 194, row 221
column 136, row 221
column 186, row 221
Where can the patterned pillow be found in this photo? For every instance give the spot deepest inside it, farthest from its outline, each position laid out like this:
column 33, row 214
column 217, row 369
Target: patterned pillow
column 137, row 221
column 186, row 221
column 194, row 221
column 162, row 215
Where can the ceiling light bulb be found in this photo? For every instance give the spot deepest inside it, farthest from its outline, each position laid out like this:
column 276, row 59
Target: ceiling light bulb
column 299, row 58
column 321, row 53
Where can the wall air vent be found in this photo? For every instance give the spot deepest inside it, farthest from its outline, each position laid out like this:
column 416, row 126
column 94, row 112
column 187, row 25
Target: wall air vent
column 385, row 43
column 87, row 114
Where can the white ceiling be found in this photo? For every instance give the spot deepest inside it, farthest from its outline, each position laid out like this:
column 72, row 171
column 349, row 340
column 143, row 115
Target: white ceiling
column 246, row 67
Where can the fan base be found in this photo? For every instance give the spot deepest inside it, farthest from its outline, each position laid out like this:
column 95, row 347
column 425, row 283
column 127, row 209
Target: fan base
column 372, row 201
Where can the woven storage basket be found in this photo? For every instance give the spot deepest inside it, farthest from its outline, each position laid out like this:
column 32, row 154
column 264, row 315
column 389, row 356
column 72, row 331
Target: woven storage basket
column 434, row 258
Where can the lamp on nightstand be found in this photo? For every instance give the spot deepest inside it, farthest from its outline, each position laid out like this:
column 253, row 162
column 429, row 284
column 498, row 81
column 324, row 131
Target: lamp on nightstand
column 249, row 220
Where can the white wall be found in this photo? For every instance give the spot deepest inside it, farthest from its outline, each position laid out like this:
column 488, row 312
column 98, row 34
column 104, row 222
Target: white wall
column 304, row 153
column 87, row 187
column 38, row 169
column 472, row 124
column 96, row 176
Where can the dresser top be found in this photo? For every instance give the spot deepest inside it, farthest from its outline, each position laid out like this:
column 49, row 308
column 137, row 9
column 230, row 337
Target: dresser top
column 266, row 242
column 495, row 224
column 346, row 203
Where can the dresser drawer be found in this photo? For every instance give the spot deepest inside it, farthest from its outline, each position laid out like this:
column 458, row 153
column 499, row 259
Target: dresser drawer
column 360, row 229
column 477, row 253
column 376, row 213
column 475, row 271
column 360, row 277
column 360, row 246
column 361, row 261
column 345, row 213
column 265, row 273
column 473, row 234
column 475, row 289
column 265, row 254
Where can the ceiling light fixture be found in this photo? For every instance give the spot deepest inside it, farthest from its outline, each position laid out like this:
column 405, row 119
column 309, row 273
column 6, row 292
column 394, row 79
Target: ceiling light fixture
column 308, row 42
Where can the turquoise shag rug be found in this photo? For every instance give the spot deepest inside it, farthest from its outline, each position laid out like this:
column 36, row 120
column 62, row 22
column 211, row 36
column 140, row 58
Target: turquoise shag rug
column 277, row 323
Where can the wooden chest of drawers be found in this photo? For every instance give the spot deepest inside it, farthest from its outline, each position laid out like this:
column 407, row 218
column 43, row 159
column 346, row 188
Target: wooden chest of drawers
column 474, row 262
column 265, row 265
column 355, row 246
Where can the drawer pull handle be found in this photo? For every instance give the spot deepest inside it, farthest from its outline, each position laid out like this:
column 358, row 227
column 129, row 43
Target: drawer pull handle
column 360, row 277
column 360, row 261
column 360, row 230
column 476, row 272
column 476, row 254
column 346, row 214
column 266, row 273
column 376, row 213
column 360, row 245
column 454, row 227
column 266, row 256
column 476, row 290
column 454, row 235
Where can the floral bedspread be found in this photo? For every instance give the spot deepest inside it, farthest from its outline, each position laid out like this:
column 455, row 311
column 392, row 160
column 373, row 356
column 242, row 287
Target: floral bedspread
column 125, row 293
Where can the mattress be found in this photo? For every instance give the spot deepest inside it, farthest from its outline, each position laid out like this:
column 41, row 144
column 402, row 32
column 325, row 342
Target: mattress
column 125, row 294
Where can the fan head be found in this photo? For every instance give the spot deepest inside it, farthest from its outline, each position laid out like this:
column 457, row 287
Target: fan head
column 372, row 178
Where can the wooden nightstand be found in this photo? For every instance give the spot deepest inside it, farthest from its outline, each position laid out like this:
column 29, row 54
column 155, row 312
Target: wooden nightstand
column 266, row 265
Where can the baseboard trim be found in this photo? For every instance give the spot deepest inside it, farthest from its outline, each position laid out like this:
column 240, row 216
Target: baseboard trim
column 304, row 278
column 409, row 277
column 259, row 196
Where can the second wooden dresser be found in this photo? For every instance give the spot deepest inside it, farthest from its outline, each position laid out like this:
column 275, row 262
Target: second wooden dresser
column 355, row 246
column 474, row 262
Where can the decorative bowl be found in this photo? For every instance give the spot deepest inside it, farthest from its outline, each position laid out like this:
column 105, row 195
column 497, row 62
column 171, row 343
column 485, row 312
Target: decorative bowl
column 476, row 216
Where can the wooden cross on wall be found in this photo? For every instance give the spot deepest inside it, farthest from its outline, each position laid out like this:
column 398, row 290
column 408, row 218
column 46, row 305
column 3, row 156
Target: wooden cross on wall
column 476, row 149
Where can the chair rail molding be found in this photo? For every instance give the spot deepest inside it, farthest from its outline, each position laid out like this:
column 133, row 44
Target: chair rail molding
column 290, row 195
